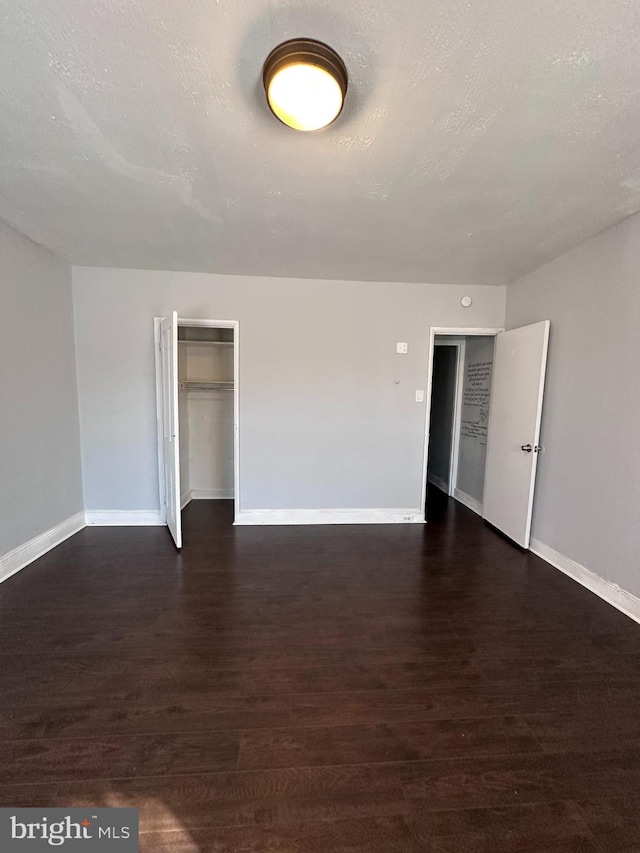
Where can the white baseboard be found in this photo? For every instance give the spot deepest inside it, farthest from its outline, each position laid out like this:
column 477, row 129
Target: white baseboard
column 212, row 494
column 619, row 598
column 439, row 483
column 124, row 518
column 468, row 501
column 205, row 495
column 329, row 516
column 38, row 546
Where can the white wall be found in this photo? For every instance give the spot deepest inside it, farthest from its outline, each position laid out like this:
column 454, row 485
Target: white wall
column 587, row 503
column 474, row 423
column 40, row 481
column 324, row 424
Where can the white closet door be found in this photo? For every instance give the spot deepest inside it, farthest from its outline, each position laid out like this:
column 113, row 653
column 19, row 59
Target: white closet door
column 514, row 429
column 170, row 426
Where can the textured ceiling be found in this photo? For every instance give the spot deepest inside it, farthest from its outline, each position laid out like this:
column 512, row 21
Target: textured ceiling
column 479, row 138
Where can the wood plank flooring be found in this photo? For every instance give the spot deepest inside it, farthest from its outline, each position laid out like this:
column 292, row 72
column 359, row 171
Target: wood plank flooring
column 364, row 689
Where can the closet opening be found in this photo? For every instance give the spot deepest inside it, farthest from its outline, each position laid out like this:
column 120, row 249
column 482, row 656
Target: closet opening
column 197, row 391
column 205, row 406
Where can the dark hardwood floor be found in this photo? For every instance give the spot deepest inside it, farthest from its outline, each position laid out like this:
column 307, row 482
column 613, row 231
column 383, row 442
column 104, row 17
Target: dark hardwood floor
column 317, row 689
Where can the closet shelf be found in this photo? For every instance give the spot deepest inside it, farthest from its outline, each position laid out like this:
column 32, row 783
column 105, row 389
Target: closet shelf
column 205, row 386
column 208, row 343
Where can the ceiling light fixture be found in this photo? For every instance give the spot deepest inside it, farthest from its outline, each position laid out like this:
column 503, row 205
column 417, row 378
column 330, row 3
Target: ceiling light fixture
column 306, row 83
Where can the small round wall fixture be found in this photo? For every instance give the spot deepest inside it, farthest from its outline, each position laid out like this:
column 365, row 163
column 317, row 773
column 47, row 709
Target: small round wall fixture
column 305, row 82
column 466, row 301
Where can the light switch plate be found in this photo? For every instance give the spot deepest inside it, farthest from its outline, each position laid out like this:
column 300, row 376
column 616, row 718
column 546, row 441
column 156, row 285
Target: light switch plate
column 419, row 396
column 402, row 348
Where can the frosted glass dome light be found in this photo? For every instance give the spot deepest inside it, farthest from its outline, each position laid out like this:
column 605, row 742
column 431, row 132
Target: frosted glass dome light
column 305, row 82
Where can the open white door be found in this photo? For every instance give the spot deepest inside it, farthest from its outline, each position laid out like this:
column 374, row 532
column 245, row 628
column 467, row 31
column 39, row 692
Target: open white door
column 170, row 431
column 517, row 388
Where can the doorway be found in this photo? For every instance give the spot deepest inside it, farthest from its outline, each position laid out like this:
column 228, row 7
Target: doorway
column 197, row 375
column 446, row 385
column 460, row 373
column 499, row 423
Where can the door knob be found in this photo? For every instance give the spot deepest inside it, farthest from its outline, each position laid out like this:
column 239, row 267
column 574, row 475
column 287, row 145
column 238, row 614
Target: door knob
column 526, row 447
